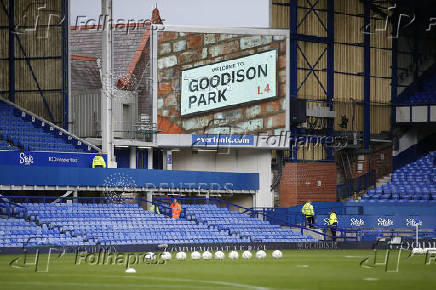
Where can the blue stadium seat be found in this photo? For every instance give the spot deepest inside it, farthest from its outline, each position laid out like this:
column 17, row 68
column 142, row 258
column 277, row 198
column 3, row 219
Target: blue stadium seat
column 17, row 129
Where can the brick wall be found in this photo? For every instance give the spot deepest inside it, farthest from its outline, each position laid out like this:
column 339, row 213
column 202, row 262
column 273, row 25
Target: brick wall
column 299, row 183
column 180, row 51
column 381, row 162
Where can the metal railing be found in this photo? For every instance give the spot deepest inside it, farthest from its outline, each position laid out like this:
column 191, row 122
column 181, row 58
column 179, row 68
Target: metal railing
column 9, row 207
column 296, row 221
column 358, row 184
column 293, row 221
column 12, row 209
column 163, row 209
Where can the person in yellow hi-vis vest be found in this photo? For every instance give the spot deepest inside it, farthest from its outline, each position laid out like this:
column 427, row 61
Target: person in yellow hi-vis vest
column 98, row 161
column 309, row 213
column 154, row 208
column 333, row 223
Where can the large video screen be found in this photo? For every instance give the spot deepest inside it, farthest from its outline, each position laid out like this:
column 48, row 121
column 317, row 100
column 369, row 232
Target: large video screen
column 221, row 83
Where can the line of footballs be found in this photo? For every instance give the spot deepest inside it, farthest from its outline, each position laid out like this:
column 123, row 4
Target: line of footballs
column 219, row 255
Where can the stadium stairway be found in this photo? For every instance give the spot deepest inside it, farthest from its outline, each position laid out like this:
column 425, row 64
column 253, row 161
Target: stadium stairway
column 241, row 225
column 17, row 229
column 411, row 183
column 22, row 130
column 383, row 180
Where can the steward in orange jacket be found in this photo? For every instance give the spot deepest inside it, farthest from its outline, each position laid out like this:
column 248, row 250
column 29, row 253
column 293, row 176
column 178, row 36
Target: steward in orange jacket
column 176, row 209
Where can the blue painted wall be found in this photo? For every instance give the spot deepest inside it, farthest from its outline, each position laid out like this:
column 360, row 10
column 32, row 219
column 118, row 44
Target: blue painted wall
column 47, row 159
column 385, row 222
column 368, row 208
column 119, row 177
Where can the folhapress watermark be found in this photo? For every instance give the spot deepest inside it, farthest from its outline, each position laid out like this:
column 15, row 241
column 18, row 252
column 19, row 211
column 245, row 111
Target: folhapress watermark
column 105, row 257
column 399, row 18
column 103, row 22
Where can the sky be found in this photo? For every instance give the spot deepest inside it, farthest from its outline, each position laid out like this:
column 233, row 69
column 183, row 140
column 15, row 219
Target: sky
column 223, row 13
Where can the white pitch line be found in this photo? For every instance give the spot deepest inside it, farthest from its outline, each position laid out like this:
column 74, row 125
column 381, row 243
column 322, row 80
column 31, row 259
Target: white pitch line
column 303, row 266
column 221, row 283
column 350, row 257
column 106, row 285
column 370, row 279
column 230, row 284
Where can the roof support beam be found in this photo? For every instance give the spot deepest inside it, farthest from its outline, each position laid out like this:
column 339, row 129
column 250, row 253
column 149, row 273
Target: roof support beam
column 107, row 86
column 367, row 77
column 11, row 15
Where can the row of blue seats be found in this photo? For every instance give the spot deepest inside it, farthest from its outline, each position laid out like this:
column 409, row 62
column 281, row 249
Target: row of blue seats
column 400, row 191
column 425, row 94
column 34, row 135
column 130, row 211
column 399, row 200
column 5, row 146
column 43, row 205
column 243, row 226
column 411, row 183
column 131, row 224
column 397, row 197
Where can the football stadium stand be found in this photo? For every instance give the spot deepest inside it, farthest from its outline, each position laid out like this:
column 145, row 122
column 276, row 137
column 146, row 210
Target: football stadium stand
column 242, row 225
column 20, row 129
column 411, row 183
column 6, row 146
column 77, row 224
column 363, row 221
column 424, row 94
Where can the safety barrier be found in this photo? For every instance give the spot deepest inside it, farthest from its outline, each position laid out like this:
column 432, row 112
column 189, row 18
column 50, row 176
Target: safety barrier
column 163, row 209
column 11, row 209
column 291, row 221
column 358, row 184
column 60, row 229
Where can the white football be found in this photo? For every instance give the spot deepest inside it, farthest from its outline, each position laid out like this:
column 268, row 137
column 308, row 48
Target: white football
column 180, row 256
column 260, row 254
column 207, row 255
column 130, row 270
column 277, row 254
column 246, row 255
column 418, row 251
column 219, row 255
column 166, row 256
column 233, row 255
column 195, row 255
column 150, row 256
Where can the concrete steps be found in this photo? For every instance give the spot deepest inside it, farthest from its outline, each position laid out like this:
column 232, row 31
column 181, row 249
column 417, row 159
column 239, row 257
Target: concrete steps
column 383, row 180
column 313, row 233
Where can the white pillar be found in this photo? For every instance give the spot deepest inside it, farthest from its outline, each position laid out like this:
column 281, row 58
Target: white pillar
column 150, row 158
column 149, row 198
column 132, row 159
column 164, row 160
column 106, row 78
column 169, row 160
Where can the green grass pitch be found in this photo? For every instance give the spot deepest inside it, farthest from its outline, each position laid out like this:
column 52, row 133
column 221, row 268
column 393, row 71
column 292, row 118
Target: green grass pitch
column 298, row 269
